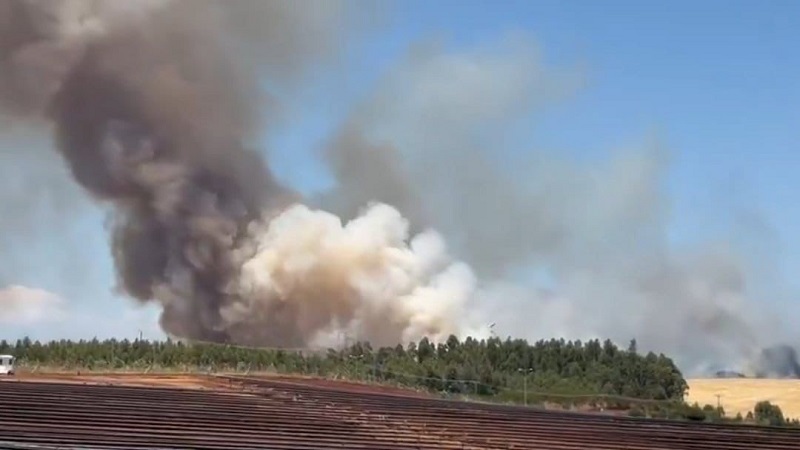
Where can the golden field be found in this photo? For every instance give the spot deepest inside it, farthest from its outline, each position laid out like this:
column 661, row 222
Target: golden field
column 741, row 394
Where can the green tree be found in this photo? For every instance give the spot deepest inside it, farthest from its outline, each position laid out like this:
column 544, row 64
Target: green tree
column 767, row 413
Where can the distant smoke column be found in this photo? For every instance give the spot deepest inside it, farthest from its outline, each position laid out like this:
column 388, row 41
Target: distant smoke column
column 778, row 361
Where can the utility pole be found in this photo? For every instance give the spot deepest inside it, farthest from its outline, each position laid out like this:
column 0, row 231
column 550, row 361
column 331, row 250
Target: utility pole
column 718, row 402
column 525, row 373
column 525, row 389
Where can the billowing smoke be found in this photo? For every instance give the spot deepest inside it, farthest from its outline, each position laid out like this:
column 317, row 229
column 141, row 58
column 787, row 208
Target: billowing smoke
column 153, row 105
column 309, row 268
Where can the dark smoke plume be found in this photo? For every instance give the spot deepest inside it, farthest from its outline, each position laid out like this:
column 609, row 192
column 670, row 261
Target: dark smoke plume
column 779, row 361
column 153, row 107
column 151, row 115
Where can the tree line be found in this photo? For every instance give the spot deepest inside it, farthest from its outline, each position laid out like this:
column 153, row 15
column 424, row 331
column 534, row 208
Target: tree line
column 482, row 367
column 555, row 371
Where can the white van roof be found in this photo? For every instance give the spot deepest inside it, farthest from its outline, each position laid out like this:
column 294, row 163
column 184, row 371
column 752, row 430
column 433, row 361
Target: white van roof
column 6, row 356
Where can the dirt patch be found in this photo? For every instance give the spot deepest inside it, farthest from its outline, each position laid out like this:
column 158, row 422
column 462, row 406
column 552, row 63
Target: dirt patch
column 185, row 381
column 354, row 387
column 209, row 382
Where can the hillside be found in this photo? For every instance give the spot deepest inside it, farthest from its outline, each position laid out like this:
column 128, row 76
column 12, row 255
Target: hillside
column 738, row 395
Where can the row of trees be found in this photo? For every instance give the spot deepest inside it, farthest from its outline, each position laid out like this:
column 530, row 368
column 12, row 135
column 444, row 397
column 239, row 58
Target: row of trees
column 764, row 413
column 553, row 371
column 486, row 368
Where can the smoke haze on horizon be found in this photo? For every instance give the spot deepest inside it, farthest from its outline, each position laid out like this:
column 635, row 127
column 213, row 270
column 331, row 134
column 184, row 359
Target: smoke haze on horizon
column 155, row 113
column 599, row 230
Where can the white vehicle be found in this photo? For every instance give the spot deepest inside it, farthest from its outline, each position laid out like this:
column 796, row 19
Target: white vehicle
column 6, row 365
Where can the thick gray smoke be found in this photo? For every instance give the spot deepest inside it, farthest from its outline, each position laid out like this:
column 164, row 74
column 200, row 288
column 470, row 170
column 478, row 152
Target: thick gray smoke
column 153, row 106
column 436, row 140
column 779, row 361
column 150, row 114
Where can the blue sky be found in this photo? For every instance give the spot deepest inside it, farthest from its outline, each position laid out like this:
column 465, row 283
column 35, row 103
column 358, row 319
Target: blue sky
column 717, row 81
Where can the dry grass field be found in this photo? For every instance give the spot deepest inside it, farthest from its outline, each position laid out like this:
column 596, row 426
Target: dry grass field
column 741, row 394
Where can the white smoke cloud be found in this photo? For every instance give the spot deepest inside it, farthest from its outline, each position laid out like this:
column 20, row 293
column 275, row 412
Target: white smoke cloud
column 366, row 278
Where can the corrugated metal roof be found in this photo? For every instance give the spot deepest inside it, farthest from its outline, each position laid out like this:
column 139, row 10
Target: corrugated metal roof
column 8, row 445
